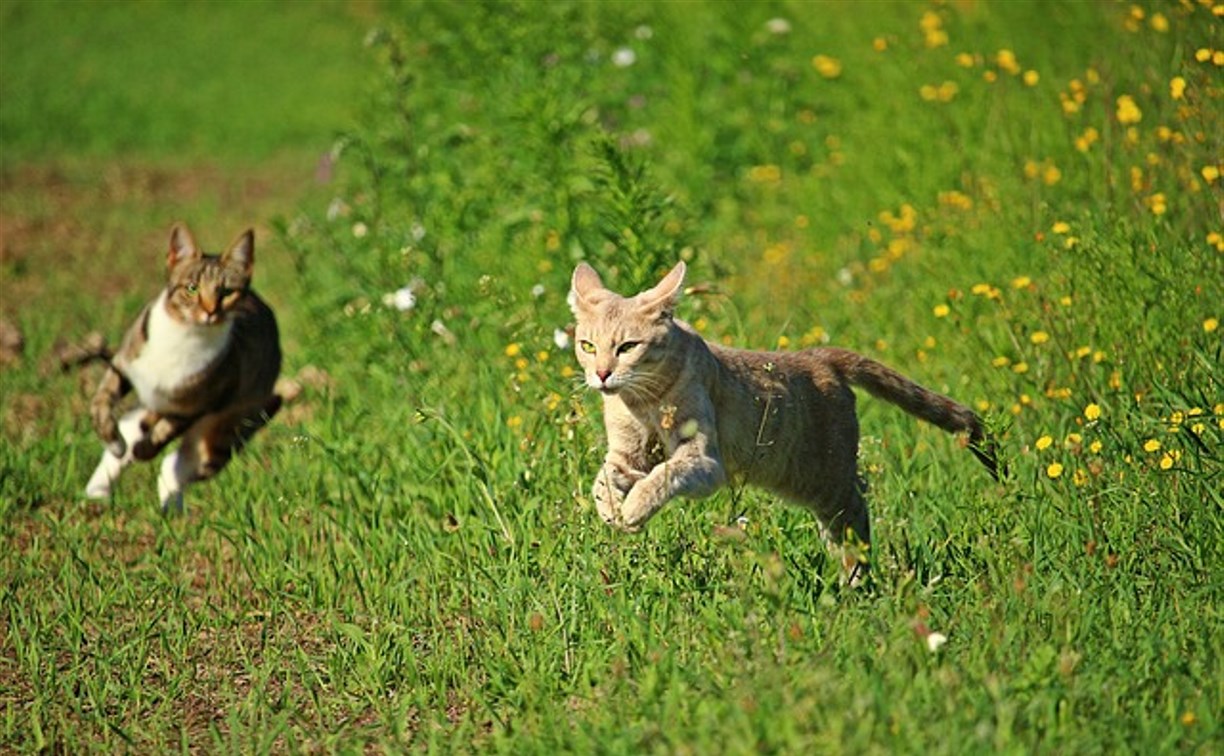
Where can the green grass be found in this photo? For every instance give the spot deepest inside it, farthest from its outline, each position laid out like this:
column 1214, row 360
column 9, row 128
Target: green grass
column 408, row 556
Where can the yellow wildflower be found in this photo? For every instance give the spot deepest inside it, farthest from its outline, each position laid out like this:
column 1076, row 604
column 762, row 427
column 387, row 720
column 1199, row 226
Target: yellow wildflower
column 1211, row 324
column 1039, row 337
column 1080, row 478
column 1177, row 87
column 1095, row 447
column 826, row 66
column 1020, row 367
column 1092, row 411
column 1006, row 60
column 513, row 349
column 1202, row 55
column 1043, row 443
column 1128, row 112
column 1151, row 445
column 1061, row 227
column 1054, row 470
column 1158, row 203
column 1000, row 361
column 1031, row 78
column 1210, row 173
column 1159, row 23
column 941, row 310
column 1021, row 282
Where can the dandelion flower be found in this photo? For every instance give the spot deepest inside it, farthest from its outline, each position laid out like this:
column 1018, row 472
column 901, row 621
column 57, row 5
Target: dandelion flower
column 1095, row 447
column 1021, row 282
column 513, row 349
column 826, row 66
column 1031, row 78
column 1080, row 477
column 942, row 310
column 1061, row 227
column 1177, row 87
column 1020, row 367
column 1006, row 60
column 1151, row 446
column 1211, row 324
column 1092, row 411
column 1039, row 337
column 1043, row 443
column 1127, row 111
column 1166, row 461
column 1054, row 471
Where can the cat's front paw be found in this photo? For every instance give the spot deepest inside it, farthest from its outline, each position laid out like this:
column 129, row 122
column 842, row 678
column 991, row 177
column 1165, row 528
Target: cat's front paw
column 607, row 500
column 638, row 507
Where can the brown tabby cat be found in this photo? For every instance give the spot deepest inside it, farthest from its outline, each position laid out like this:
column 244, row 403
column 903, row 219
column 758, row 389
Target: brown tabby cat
column 203, row 358
column 685, row 416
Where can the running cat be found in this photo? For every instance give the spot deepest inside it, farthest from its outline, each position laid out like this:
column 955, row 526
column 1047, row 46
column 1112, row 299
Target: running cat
column 203, row 358
column 685, row 416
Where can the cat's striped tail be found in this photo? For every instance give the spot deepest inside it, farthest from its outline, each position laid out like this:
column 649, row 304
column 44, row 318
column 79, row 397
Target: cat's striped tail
column 885, row 383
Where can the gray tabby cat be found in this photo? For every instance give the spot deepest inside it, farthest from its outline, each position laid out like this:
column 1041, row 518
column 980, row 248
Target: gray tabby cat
column 685, row 416
column 203, row 358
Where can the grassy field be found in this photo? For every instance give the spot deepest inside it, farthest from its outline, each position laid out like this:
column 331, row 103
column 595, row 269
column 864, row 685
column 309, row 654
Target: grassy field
column 1018, row 204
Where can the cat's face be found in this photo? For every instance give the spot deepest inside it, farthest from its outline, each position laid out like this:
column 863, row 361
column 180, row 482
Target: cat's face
column 622, row 343
column 204, row 289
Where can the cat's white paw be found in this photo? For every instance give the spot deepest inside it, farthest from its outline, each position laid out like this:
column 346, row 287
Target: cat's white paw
column 104, row 475
column 170, row 483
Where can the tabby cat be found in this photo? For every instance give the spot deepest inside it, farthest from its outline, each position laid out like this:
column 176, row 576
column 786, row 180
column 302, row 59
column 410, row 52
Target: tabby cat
column 684, row 416
column 203, row 358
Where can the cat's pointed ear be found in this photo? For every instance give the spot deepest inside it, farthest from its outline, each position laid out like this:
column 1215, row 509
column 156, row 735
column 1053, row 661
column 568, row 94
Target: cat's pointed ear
column 182, row 246
column 666, row 293
column 241, row 253
column 583, row 286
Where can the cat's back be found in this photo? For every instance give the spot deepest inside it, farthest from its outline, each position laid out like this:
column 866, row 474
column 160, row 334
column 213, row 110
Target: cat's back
column 257, row 342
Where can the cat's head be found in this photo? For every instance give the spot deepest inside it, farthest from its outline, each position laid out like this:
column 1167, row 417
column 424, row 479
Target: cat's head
column 204, row 289
column 622, row 342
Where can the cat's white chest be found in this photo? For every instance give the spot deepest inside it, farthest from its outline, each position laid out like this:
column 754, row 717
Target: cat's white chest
column 173, row 354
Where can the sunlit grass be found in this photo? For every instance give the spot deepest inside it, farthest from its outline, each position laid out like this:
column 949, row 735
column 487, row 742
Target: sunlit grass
column 1015, row 203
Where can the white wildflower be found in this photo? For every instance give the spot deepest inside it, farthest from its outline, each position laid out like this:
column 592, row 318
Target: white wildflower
column 561, row 338
column 935, row 640
column 401, row 299
column 624, row 57
column 778, row 26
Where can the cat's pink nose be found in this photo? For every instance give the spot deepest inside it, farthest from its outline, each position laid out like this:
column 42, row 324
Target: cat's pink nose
column 603, row 375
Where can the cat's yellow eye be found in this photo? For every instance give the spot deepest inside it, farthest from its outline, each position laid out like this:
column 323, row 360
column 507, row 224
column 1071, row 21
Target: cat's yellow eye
column 627, row 346
column 586, row 346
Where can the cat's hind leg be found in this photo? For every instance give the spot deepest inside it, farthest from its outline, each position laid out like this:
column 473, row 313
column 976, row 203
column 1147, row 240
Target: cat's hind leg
column 846, row 530
column 131, row 428
column 207, row 447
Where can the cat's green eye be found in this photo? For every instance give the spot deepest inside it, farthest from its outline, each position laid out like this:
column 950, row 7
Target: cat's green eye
column 192, row 289
column 627, row 346
column 586, row 346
